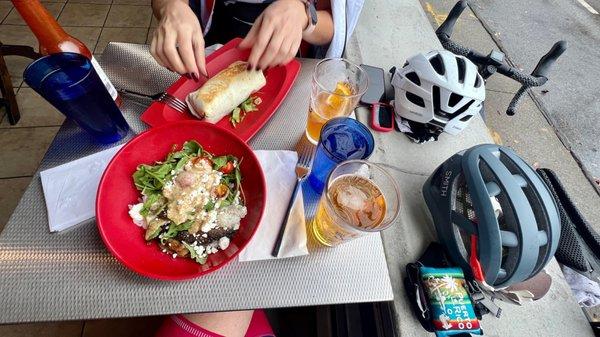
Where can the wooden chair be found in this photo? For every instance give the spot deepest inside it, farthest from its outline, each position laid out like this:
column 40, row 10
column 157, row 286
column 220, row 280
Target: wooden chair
column 8, row 99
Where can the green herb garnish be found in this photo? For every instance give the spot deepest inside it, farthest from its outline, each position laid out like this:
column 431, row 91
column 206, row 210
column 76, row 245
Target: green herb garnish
column 249, row 105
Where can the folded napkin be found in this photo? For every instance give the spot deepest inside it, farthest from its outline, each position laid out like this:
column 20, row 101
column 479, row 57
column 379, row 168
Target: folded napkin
column 279, row 169
column 70, row 189
column 70, row 193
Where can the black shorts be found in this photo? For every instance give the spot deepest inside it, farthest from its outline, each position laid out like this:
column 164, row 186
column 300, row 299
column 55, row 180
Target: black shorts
column 232, row 20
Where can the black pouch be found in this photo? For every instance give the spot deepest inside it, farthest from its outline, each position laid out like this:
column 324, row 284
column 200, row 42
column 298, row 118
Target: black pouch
column 434, row 256
column 416, row 295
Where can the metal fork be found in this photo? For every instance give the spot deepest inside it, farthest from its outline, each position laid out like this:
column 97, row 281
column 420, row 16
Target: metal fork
column 173, row 102
column 162, row 97
column 306, row 152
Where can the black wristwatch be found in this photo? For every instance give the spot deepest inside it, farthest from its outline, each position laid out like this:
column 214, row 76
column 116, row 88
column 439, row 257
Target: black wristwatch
column 311, row 12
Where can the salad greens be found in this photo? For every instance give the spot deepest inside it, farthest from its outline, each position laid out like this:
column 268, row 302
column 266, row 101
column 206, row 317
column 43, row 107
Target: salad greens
column 198, row 258
column 150, row 180
column 249, row 105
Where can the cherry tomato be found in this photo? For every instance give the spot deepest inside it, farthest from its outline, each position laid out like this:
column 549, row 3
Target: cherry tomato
column 227, row 168
column 221, row 191
column 196, row 160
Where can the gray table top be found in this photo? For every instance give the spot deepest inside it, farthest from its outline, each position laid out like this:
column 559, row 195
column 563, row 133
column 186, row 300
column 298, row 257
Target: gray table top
column 70, row 275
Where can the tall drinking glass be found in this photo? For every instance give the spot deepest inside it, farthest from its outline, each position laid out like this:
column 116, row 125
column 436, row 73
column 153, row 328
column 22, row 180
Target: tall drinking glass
column 359, row 198
column 69, row 82
column 337, row 85
column 342, row 138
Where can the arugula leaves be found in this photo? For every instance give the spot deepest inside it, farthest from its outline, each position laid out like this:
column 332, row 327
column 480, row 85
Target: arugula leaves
column 150, row 179
column 173, row 230
column 151, row 200
column 219, row 162
column 210, row 205
column 198, row 258
column 152, row 233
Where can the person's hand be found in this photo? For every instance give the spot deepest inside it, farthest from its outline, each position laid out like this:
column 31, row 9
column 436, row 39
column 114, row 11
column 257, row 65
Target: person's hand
column 276, row 34
column 178, row 43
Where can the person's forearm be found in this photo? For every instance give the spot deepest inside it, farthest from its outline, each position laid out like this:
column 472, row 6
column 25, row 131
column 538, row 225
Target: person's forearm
column 159, row 5
column 323, row 32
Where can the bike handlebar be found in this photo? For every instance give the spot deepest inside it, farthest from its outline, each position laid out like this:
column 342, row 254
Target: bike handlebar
column 448, row 25
column 537, row 78
column 543, row 66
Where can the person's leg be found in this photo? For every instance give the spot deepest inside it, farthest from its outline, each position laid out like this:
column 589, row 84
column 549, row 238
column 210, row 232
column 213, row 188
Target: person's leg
column 230, row 324
column 219, row 324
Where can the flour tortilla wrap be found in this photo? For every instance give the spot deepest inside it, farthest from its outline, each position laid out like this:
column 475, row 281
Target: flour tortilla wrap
column 225, row 91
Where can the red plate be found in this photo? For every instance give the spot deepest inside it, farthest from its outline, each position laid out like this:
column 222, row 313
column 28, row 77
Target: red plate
column 279, row 83
column 116, row 191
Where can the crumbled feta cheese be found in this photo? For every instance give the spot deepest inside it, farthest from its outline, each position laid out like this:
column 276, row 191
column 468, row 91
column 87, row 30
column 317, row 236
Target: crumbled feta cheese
column 174, row 255
column 224, row 243
column 204, row 235
column 211, row 221
column 134, row 213
column 199, row 250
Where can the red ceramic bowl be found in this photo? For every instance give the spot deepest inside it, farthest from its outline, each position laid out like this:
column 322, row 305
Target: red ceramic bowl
column 116, row 191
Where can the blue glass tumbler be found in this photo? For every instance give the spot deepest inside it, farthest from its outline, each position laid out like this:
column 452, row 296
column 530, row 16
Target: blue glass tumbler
column 341, row 139
column 69, row 82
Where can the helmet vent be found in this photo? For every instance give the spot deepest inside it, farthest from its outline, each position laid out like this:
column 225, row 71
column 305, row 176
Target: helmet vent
column 465, row 118
column 477, row 82
column 435, row 93
column 454, row 99
column 414, row 99
column 463, row 205
column 462, row 66
column 438, row 64
column 413, row 77
column 463, row 108
column 536, row 204
column 507, row 223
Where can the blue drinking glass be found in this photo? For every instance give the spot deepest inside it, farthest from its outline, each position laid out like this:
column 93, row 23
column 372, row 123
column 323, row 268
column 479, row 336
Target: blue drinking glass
column 69, row 82
column 341, row 139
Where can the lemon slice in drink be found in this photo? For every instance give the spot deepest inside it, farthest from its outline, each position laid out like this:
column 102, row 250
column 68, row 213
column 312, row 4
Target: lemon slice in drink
column 336, row 100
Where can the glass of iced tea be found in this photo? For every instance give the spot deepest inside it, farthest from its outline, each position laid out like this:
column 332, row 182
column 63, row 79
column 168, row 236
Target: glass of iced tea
column 337, row 85
column 360, row 198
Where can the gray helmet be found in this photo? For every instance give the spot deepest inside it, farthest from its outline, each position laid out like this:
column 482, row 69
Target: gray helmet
column 489, row 194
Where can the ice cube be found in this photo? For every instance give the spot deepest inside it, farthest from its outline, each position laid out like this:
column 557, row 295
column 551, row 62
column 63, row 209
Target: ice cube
column 364, row 171
column 351, row 197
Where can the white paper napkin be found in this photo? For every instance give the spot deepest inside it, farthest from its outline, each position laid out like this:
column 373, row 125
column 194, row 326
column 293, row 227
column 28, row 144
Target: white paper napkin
column 70, row 193
column 279, row 168
column 70, row 189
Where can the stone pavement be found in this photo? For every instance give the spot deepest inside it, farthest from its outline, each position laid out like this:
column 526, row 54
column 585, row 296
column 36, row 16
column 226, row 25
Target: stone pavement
column 528, row 132
column 401, row 29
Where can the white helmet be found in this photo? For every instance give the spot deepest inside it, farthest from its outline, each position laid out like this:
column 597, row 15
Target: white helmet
column 438, row 88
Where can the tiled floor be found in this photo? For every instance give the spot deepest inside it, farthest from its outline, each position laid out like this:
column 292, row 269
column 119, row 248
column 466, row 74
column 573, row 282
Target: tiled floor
column 95, row 23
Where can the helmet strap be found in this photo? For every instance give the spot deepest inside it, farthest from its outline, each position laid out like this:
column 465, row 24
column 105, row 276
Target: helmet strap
column 418, row 132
